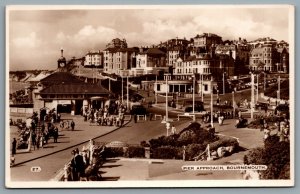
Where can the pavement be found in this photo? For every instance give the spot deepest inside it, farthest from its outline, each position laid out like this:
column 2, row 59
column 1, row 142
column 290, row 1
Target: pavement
column 68, row 140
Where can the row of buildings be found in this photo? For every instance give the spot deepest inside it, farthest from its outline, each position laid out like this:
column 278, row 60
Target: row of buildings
column 205, row 55
column 200, row 65
column 262, row 54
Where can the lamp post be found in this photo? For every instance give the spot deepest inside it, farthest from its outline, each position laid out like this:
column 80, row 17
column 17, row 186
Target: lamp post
column 127, row 100
column 278, row 96
column 224, row 83
column 122, row 91
column 265, row 82
column 257, row 90
column 252, row 95
column 233, row 104
column 109, row 84
column 156, row 89
column 211, row 103
column 202, row 88
column 167, row 98
column 193, row 94
column 177, row 94
column 167, row 119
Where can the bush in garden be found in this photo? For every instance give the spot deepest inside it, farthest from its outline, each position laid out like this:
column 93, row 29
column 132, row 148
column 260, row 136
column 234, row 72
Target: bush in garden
column 275, row 155
column 112, row 152
column 225, row 141
column 255, row 156
column 167, row 152
column 164, row 141
column 193, row 150
column 135, row 152
column 193, row 126
column 187, row 137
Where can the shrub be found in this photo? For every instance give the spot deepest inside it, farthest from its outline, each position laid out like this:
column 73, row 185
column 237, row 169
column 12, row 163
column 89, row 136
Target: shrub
column 224, row 141
column 164, row 141
column 167, row 152
column 275, row 154
column 135, row 152
column 112, row 152
column 187, row 137
column 193, row 150
column 195, row 135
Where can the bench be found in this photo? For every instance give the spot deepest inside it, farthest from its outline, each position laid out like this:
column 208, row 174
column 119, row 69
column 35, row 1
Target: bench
column 144, row 117
column 160, row 116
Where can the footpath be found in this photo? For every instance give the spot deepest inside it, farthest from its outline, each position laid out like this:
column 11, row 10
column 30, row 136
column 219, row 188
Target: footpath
column 67, row 141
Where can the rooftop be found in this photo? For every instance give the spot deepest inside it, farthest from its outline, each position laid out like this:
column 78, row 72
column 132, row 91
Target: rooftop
column 75, row 88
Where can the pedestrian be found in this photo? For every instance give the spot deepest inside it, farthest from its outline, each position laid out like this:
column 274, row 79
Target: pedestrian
column 79, row 164
column 37, row 140
column 14, row 147
column 58, row 117
column 135, row 118
column 72, row 125
column 33, row 139
column 173, row 130
column 168, row 126
column 73, row 167
column 55, row 134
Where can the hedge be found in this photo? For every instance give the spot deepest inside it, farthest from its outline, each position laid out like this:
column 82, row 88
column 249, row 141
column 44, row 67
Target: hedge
column 167, row 152
column 135, row 152
column 112, row 152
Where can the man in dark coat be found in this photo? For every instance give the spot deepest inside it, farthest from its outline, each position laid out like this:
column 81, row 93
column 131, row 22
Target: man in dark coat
column 79, row 164
column 14, row 147
column 72, row 125
column 55, row 134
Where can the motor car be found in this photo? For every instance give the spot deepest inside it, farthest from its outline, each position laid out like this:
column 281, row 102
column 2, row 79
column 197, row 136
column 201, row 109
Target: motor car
column 198, row 108
column 138, row 110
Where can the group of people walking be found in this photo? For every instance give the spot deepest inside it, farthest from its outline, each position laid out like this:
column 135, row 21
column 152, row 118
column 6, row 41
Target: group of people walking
column 106, row 116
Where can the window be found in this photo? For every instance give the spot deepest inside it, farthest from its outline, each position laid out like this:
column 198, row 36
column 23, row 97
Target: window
column 205, row 87
column 158, row 87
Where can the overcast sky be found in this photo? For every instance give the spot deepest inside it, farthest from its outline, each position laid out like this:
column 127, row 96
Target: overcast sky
column 35, row 37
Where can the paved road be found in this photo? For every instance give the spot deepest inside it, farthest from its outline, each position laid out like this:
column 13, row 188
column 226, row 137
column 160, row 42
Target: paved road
column 132, row 133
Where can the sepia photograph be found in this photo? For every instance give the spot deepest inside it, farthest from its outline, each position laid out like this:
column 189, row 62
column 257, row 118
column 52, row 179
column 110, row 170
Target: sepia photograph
column 149, row 96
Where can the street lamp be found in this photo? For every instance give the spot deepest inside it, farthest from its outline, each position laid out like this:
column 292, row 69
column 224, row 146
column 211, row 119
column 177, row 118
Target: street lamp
column 167, row 97
column 156, row 89
column 278, row 96
column 252, row 95
column 193, row 94
column 265, row 82
column 122, row 91
column 211, row 103
column 177, row 94
column 233, row 104
column 257, row 90
column 127, row 100
column 202, row 88
column 224, row 83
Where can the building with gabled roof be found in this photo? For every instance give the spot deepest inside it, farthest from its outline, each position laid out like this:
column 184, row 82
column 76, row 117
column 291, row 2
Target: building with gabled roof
column 65, row 92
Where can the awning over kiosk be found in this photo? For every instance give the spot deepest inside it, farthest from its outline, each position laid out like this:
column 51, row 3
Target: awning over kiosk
column 97, row 98
column 64, row 102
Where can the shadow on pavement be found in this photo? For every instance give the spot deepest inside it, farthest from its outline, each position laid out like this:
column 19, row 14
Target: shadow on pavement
column 111, row 160
column 110, row 178
column 111, row 166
